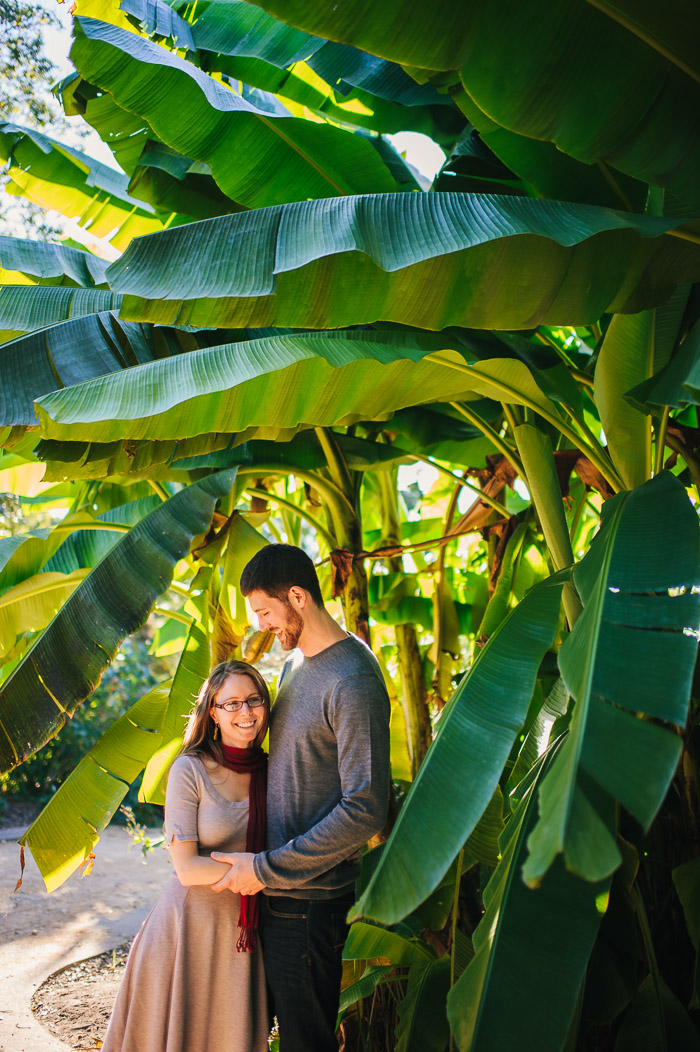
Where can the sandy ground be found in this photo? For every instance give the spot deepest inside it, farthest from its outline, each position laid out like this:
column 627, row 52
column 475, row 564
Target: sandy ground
column 41, row 934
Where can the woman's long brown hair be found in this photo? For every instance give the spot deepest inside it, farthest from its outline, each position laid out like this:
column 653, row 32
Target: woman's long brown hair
column 199, row 733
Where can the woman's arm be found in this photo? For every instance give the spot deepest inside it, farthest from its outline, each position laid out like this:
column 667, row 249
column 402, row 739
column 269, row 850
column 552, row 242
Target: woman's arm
column 193, row 869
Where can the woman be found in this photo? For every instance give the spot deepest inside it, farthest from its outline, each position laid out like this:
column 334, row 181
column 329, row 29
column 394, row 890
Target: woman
column 194, row 980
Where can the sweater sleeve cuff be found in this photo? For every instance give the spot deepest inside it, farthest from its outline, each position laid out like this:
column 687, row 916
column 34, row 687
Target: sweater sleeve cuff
column 262, row 869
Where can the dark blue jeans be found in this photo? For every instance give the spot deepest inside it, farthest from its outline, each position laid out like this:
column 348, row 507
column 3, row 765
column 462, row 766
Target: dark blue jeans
column 302, row 942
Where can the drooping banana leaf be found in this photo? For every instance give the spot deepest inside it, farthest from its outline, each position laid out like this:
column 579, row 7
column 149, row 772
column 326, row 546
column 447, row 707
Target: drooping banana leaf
column 77, row 350
column 67, row 660
column 500, row 1001
column 30, row 605
column 429, row 260
column 65, row 179
column 366, row 941
column 270, row 387
column 628, row 661
column 24, row 308
column 552, row 173
column 635, row 348
column 85, row 548
column 421, row 1025
column 178, row 185
column 644, row 124
column 24, row 262
column 278, row 157
column 68, row 828
column 475, row 735
column 192, row 669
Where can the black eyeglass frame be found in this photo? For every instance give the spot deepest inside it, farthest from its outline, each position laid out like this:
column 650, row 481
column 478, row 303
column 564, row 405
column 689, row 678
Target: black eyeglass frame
column 254, row 702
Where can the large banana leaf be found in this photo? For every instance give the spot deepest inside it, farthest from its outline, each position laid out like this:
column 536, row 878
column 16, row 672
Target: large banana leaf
column 429, row 260
column 268, row 387
column 250, row 46
column 635, row 348
column 644, row 120
column 24, row 308
column 628, row 661
column 421, row 1025
column 66, row 180
column 501, row 1000
column 30, row 605
column 475, row 735
column 85, row 548
column 192, row 669
column 77, row 350
column 68, row 828
column 41, row 262
column 67, row 660
column 278, row 157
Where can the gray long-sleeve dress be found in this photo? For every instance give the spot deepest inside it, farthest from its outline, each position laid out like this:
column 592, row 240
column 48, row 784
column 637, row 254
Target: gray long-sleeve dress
column 185, row 988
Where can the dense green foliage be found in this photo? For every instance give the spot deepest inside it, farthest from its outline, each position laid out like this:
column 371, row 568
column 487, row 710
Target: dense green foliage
column 475, row 403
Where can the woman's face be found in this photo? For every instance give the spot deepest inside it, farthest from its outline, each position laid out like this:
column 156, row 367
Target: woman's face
column 238, row 729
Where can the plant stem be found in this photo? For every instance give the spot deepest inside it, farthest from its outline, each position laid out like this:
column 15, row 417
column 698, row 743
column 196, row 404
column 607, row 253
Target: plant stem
column 491, row 501
column 486, row 429
column 296, row 510
column 661, row 441
column 603, row 464
column 453, row 928
column 157, row 488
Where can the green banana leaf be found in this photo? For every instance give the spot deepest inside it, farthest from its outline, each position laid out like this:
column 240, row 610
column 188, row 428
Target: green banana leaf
column 367, row 941
column 364, row 986
column 644, row 124
column 77, row 350
column 270, row 387
column 66, row 831
column 192, row 669
column 421, row 1025
column 664, row 29
column 631, row 654
column 499, row 1002
column 686, row 879
column 635, row 349
column 30, row 605
column 656, row 1020
column 67, row 660
column 249, row 46
column 555, row 174
column 24, row 262
column 178, row 185
column 432, row 38
column 676, row 384
column 427, row 260
column 475, row 735
column 68, row 181
column 85, row 548
column 24, row 308
column 278, row 157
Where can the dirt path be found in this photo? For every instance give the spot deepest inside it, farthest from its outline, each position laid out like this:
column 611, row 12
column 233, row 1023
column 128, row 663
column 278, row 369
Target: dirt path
column 40, row 934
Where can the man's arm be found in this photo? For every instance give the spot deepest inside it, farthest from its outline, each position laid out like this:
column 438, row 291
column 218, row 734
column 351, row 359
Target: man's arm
column 359, row 712
column 240, row 876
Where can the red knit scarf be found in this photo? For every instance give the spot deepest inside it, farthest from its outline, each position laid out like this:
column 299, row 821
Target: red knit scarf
column 253, row 762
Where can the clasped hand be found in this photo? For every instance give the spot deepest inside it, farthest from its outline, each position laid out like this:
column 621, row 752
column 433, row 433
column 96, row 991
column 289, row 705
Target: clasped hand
column 241, row 875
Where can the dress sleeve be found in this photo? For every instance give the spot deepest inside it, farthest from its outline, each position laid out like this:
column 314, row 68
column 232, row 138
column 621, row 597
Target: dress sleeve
column 182, row 801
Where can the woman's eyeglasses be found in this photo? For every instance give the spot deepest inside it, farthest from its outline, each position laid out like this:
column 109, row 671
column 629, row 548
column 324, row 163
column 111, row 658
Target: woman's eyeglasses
column 253, row 702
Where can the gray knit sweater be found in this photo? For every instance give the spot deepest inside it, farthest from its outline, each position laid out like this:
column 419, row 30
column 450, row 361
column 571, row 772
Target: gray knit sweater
column 328, row 782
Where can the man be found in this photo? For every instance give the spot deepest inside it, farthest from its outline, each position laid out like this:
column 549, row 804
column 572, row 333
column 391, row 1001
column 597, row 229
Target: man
column 328, row 791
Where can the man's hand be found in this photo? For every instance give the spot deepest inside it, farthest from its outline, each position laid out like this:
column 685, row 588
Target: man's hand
column 241, row 876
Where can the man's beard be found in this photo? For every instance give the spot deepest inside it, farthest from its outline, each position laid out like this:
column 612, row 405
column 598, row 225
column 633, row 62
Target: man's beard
column 292, row 628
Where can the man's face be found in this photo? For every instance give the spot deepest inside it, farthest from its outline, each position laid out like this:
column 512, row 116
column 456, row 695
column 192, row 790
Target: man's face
column 278, row 616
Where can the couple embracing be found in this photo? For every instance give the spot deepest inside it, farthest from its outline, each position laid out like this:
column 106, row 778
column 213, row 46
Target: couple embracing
column 252, row 923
